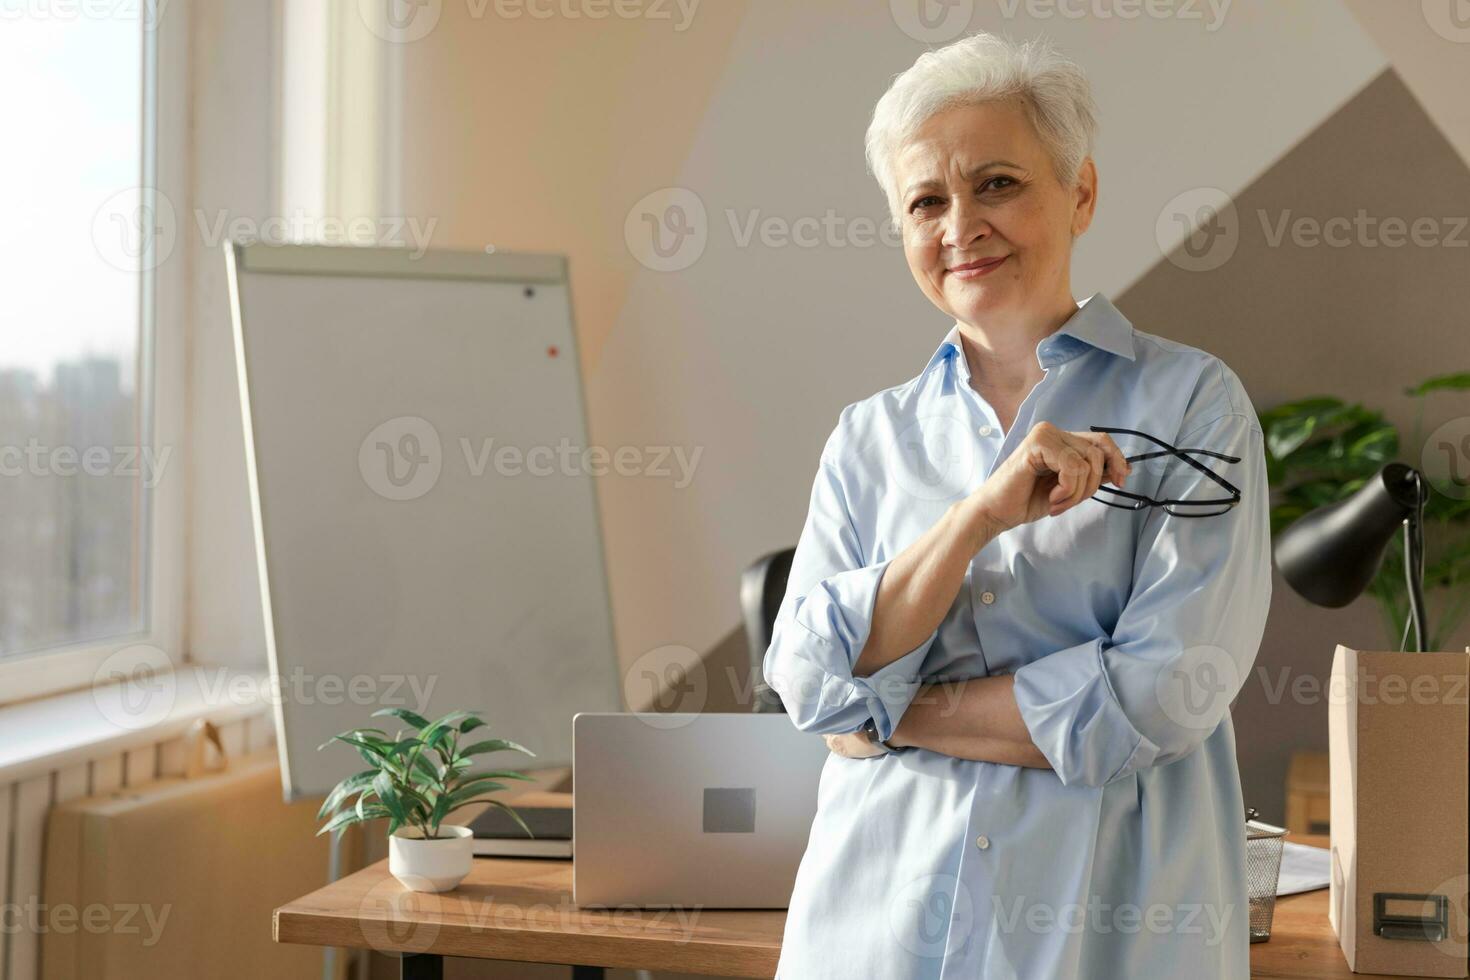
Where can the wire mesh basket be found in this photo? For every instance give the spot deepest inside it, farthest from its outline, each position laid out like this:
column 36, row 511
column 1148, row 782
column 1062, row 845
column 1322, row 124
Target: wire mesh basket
column 1263, row 846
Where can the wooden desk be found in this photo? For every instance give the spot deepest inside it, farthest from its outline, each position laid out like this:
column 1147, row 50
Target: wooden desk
column 522, row 910
column 1302, row 944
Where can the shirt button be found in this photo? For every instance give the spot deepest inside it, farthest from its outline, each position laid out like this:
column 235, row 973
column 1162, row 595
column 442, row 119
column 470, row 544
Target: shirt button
column 987, row 597
column 986, row 430
column 982, row 842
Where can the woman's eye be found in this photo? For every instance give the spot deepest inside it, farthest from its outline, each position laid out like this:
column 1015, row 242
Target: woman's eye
column 922, row 202
column 992, row 181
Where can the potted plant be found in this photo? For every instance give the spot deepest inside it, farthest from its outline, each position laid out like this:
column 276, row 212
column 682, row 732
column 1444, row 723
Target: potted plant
column 415, row 780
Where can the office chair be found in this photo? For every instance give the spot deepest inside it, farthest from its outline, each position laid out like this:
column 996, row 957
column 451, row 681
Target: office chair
column 762, row 587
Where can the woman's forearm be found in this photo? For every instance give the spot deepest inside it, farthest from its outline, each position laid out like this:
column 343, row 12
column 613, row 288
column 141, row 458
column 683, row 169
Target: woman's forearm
column 973, row 719
column 920, row 584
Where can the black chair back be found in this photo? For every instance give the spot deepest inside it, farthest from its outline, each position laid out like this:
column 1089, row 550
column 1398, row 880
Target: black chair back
column 762, row 587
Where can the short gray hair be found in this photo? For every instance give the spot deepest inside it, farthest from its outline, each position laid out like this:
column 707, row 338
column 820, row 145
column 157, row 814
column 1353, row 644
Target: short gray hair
column 986, row 68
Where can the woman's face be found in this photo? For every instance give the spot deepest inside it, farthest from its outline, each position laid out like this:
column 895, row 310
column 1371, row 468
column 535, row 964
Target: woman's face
column 974, row 185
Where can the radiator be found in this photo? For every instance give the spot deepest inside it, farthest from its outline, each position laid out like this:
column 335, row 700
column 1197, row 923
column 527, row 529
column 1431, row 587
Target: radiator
column 23, row 810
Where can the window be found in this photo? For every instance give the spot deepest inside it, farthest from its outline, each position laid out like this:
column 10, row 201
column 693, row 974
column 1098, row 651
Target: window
column 79, row 465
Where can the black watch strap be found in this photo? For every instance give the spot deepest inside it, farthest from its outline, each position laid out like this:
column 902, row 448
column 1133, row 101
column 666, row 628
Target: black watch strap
column 870, row 731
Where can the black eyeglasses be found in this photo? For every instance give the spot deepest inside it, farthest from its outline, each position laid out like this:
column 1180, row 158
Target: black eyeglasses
column 1212, row 507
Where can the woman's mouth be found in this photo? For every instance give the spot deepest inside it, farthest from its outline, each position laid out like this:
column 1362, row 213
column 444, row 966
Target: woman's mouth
column 981, row 267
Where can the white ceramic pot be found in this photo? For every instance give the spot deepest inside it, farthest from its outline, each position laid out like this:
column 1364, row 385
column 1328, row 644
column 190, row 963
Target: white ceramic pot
column 431, row 865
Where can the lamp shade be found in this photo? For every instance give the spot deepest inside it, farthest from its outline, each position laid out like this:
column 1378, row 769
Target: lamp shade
column 1331, row 554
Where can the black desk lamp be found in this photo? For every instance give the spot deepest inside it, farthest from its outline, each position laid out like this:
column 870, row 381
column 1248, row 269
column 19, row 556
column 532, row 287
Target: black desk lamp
column 1330, row 555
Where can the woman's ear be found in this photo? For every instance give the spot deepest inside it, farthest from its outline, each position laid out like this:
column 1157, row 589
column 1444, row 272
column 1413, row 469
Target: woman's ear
column 1085, row 197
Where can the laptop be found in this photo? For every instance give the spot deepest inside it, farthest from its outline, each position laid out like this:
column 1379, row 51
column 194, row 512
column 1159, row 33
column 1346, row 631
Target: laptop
column 709, row 810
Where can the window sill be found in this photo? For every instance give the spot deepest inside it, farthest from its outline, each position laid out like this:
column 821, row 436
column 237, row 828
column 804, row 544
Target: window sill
column 66, row 729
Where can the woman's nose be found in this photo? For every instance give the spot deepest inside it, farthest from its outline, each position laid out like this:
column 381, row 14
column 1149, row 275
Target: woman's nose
column 964, row 224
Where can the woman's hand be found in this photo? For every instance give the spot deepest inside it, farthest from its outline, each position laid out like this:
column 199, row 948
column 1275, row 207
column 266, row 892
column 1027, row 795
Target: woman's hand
column 1051, row 472
column 852, row 746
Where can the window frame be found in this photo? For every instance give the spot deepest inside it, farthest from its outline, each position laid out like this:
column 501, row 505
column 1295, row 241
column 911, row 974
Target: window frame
column 162, row 388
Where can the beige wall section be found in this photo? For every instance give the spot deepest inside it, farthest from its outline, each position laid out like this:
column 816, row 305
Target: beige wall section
column 1430, row 50
column 1359, row 323
column 536, row 134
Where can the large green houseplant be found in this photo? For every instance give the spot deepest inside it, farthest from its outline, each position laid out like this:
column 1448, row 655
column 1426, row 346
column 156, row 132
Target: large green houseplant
column 1320, row 450
column 416, row 778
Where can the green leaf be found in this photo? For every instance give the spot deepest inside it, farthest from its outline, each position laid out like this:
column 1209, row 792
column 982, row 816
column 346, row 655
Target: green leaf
column 404, row 746
column 449, row 719
column 425, row 767
column 1284, row 439
column 347, row 817
column 403, row 714
column 515, row 816
column 499, row 774
column 494, row 745
column 356, row 732
column 470, row 724
column 1378, row 445
column 476, row 784
column 378, row 746
column 345, row 789
column 1444, row 382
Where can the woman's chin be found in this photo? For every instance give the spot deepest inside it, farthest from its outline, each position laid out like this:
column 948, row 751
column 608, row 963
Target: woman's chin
column 974, row 300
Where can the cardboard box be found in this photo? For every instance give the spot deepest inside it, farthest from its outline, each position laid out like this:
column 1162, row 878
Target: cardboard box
column 181, row 878
column 1397, row 734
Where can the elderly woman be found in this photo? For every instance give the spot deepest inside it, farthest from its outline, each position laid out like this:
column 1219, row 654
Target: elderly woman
column 1021, row 636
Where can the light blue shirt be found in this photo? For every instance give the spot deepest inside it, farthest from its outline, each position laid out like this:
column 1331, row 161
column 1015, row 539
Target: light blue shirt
column 1128, row 632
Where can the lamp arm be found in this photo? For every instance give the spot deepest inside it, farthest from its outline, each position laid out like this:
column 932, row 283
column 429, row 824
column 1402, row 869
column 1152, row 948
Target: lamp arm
column 1414, row 564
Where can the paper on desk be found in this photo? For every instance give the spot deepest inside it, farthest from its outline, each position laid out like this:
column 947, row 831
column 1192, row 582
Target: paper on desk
column 1303, row 868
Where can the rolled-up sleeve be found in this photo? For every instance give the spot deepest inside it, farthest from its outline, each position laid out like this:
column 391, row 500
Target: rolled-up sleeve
column 824, row 622
column 1164, row 680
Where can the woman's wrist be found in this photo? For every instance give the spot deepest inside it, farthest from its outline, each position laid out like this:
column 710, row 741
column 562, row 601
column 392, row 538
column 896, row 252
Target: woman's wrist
column 975, row 522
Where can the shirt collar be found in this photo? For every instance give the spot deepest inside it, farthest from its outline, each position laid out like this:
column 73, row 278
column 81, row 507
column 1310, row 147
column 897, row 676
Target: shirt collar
column 1096, row 324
